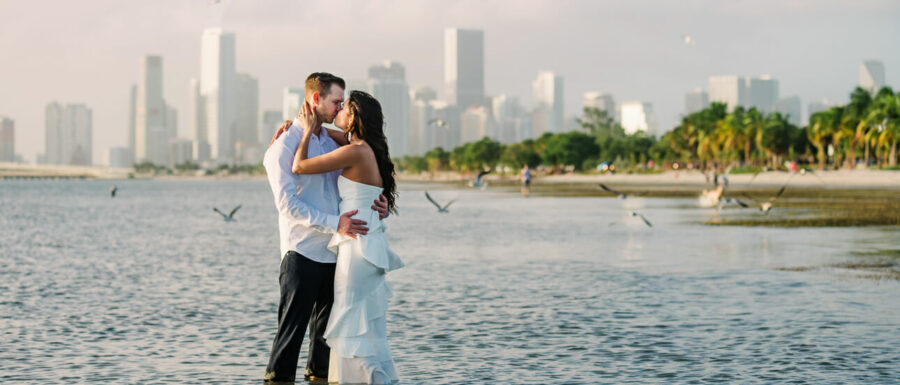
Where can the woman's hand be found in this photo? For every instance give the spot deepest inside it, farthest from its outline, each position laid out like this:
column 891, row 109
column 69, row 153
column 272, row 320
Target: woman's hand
column 309, row 119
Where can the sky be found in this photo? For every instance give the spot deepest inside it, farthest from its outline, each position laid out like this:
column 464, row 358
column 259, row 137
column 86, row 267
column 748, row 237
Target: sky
column 89, row 51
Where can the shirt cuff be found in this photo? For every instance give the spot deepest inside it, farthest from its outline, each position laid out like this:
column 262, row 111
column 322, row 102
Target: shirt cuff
column 332, row 222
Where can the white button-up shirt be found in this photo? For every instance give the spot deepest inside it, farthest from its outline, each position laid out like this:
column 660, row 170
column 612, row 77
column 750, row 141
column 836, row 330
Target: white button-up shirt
column 308, row 205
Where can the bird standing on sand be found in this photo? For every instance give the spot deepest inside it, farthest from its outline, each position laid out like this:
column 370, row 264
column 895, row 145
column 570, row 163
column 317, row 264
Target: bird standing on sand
column 112, row 191
column 230, row 216
column 440, row 209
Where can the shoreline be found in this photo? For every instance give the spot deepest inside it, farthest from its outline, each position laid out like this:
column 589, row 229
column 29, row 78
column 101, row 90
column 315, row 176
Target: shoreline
column 854, row 179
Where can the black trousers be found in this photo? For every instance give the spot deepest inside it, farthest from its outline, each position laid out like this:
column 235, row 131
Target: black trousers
column 307, row 292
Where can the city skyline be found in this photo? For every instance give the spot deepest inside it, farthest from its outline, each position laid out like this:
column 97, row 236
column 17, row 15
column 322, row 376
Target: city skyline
column 811, row 58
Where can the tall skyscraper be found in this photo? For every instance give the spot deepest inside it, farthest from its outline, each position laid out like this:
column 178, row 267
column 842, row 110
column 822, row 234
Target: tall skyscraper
column 77, row 133
column 291, row 100
column 446, row 134
column 695, row 100
column 53, row 140
column 270, row 121
column 638, row 116
column 132, row 123
column 196, row 120
column 601, row 101
column 476, row 124
column 151, row 133
column 171, row 122
column 247, row 119
column 547, row 92
column 762, row 93
column 871, row 75
column 729, row 89
column 217, row 86
column 388, row 84
column 421, row 125
column 118, row 157
column 464, row 66
column 7, row 140
column 792, row 108
column 511, row 120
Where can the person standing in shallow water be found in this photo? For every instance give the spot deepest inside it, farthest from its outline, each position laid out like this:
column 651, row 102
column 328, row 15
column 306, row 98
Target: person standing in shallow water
column 525, row 177
column 308, row 216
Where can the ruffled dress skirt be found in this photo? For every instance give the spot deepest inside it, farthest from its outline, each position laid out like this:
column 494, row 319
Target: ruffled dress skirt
column 356, row 331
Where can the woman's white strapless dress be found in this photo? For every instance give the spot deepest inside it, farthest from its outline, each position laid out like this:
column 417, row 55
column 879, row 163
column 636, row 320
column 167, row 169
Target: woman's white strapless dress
column 357, row 331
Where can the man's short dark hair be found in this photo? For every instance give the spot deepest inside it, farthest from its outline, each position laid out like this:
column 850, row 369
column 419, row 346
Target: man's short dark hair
column 321, row 82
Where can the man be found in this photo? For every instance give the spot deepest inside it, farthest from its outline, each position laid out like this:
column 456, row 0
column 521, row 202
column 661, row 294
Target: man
column 307, row 218
column 525, row 176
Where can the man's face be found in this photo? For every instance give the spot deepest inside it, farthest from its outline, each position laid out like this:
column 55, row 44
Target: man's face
column 330, row 103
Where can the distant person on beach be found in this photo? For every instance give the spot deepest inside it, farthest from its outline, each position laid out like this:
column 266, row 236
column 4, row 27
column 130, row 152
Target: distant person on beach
column 525, row 176
column 308, row 217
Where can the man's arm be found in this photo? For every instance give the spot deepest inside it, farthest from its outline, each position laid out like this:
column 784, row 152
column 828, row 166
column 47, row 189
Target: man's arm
column 278, row 168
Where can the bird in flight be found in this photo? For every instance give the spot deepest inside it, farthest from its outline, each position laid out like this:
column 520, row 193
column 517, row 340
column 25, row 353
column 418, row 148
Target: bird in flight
column 439, row 207
column 230, row 216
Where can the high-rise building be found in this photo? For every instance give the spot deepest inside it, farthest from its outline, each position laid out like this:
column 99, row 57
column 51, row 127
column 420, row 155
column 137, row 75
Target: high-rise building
column 290, row 101
column 196, row 119
column 762, row 93
column 118, row 157
column 421, row 120
column 511, row 119
column 181, row 151
column 53, row 140
column 815, row 107
column 476, row 124
column 638, row 116
column 792, row 108
column 247, row 116
column 547, row 92
column 388, row 84
column 464, row 66
column 217, row 86
column 601, row 101
column 270, row 121
column 171, row 122
column 446, row 127
column 132, row 123
column 729, row 89
column 7, row 140
column 696, row 100
column 151, row 131
column 77, row 135
column 871, row 75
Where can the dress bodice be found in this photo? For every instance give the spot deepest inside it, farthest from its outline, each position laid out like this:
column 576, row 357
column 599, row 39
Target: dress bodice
column 373, row 246
column 360, row 196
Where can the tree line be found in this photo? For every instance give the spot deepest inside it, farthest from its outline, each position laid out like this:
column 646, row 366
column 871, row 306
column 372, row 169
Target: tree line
column 864, row 131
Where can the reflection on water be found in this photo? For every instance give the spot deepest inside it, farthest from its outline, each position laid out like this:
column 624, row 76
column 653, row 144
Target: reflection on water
column 153, row 286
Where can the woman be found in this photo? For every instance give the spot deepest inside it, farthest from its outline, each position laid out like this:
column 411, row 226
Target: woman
column 356, row 330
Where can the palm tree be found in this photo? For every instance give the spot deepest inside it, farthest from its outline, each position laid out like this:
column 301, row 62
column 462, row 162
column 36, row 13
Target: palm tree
column 854, row 124
column 754, row 122
column 822, row 127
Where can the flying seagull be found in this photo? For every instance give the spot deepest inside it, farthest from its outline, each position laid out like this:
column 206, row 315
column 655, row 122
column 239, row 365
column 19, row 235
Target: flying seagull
column 643, row 218
column 688, row 40
column 767, row 205
column 617, row 192
column 635, row 214
column 438, row 122
column 230, row 216
column 112, row 191
column 478, row 182
column 440, row 209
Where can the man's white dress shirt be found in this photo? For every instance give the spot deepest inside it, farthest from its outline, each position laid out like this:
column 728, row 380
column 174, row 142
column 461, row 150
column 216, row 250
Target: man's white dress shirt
column 308, row 211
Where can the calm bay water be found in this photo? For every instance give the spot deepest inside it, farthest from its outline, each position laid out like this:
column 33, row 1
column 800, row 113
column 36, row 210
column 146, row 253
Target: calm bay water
column 153, row 286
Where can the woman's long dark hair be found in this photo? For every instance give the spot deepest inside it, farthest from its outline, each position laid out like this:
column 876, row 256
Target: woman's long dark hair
column 368, row 125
